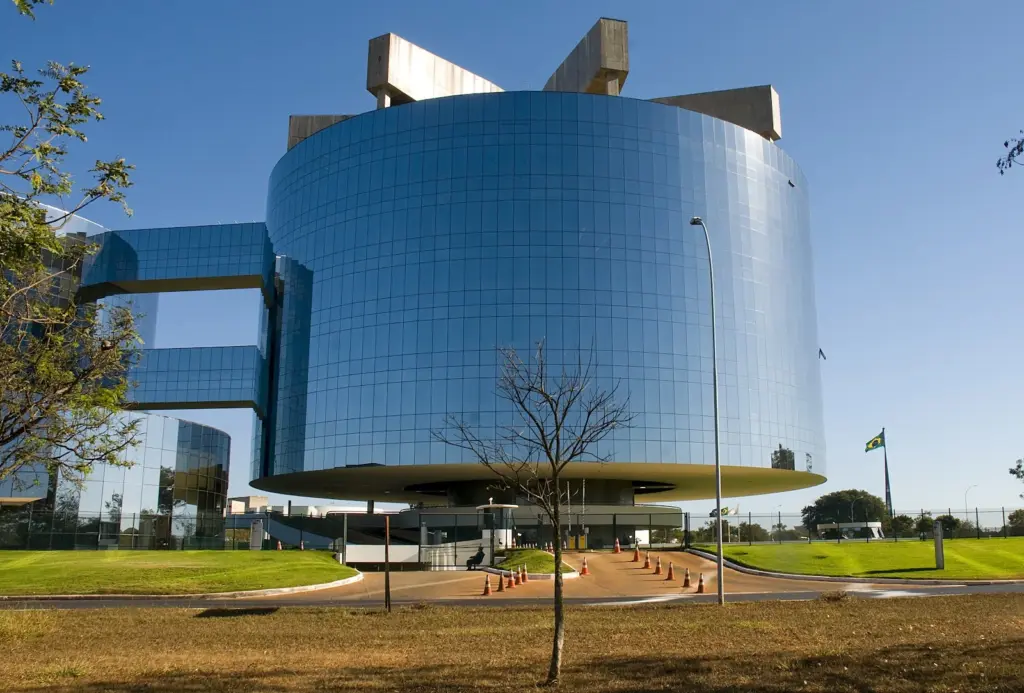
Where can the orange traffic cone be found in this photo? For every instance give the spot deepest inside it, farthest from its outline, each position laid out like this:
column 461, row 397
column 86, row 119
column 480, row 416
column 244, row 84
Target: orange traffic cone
column 526, row 575
column 487, row 586
column 686, row 577
column 501, row 583
column 517, row 577
column 647, row 561
column 279, row 545
column 657, row 567
column 671, row 573
column 636, row 554
column 700, row 584
column 618, row 549
column 584, row 570
column 511, row 582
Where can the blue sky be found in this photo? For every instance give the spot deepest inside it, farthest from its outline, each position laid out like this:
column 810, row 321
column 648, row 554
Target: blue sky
column 895, row 111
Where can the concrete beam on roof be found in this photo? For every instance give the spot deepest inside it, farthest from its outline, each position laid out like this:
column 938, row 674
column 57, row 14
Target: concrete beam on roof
column 398, row 71
column 753, row 108
column 302, row 126
column 599, row 64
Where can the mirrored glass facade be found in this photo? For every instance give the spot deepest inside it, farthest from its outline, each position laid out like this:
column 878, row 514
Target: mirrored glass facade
column 421, row 237
column 173, row 493
column 201, row 377
column 172, row 496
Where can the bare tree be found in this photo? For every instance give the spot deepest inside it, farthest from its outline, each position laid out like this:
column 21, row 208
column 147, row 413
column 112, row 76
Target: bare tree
column 559, row 419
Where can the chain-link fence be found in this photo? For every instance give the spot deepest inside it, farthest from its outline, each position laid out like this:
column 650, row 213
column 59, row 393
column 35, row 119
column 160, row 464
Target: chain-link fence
column 452, row 540
column 777, row 527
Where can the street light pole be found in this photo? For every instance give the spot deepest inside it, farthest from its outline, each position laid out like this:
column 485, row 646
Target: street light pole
column 697, row 221
column 966, row 511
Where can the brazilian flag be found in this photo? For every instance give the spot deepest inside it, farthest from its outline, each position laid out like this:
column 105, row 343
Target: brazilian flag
column 876, row 442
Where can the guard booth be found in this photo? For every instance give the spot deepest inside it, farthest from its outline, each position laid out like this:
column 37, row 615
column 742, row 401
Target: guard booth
column 498, row 526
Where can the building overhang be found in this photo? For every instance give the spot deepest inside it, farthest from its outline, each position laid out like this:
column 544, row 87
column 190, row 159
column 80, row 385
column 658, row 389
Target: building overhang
column 652, row 482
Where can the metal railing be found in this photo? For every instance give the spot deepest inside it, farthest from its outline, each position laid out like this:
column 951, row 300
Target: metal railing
column 449, row 540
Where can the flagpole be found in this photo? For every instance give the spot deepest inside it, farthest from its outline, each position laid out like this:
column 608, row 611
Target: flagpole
column 888, row 491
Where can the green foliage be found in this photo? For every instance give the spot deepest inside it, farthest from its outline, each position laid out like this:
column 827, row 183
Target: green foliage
column 851, row 505
column 535, row 560
column 1017, row 470
column 1014, row 150
column 902, row 526
column 63, row 366
column 27, row 7
column 1016, row 518
column 951, row 524
column 924, row 523
column 753, row 532
column 783, row 458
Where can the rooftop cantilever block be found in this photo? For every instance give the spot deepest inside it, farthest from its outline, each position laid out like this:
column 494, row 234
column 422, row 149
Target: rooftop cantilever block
column 398, row 72
column 598, row 64
column 753, row 108
column 302, row 126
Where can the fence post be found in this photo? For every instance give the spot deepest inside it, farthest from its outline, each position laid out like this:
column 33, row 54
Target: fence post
column 344, row 538
column 1006, row 533
column 650, row 534
column 977, row 521
column 686, row 530
column 615, row 528
column 750, row 531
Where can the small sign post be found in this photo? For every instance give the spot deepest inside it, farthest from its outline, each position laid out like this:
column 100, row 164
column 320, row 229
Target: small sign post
column 940, row 557
column 387, row 563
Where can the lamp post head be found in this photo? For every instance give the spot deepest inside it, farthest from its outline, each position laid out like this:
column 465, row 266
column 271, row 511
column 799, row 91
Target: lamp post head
column 696, row 221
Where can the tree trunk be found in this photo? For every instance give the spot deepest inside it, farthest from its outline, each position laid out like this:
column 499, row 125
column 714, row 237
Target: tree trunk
column 556, row 649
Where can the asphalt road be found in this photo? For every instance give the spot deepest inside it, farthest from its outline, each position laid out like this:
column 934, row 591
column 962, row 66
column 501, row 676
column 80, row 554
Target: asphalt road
column 266, row 604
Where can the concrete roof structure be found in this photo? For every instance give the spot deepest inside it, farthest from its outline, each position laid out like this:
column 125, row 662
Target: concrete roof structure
column 599, row 64
column 753, row 108
column 400, row 72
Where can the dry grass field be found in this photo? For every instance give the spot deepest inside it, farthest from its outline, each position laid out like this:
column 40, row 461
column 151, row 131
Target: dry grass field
column 917, row 644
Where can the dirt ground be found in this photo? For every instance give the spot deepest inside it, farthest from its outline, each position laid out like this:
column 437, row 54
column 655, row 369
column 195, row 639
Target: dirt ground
column 611, row 575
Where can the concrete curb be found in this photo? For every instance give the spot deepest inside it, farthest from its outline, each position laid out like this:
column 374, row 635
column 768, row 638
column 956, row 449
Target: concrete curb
column 571, row 575
column 207, row 595
column 847, row 580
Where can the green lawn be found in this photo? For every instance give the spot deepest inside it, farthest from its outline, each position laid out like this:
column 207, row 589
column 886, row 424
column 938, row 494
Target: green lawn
column 965, row 558
column 162, row 572
column 535, row 560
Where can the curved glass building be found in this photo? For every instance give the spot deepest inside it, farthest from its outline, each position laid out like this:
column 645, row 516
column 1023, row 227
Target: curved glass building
column 430, row 234
column 403, row 246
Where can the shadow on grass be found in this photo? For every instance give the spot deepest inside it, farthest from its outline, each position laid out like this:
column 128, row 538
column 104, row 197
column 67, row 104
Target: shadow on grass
column 231, row 613
column 918, row 666
column 897, row 570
